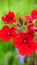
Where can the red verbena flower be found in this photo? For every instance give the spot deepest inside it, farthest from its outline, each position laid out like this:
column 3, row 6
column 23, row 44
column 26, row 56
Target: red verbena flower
column 32, row 28
column 29, row 18
column 7, row 33
column 9, row 18
column 34, row 14
column 25, row 44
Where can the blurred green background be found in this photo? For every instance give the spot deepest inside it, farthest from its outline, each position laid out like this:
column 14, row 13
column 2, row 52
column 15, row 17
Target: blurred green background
column 21, row 8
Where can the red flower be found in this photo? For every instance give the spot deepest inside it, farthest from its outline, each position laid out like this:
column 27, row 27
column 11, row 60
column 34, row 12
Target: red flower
column 34, row 14
column 29, row 18
column 32, row 28
column 25, row 44
column 9, row 18
column 6, row 33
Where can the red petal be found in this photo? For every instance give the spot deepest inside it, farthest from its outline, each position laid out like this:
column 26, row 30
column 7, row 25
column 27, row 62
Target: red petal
column 33, row 45
column 31, row 28
column 3, row 34
column 13, row 20
column 30, row 35
column 5, row 28
column 11, row 14
column 4, row 18
column 13, row 32
column 6, row 38
column 23, row 35
column 17, row 42
column 29, row 18
column 34, row 14
column 24, row 50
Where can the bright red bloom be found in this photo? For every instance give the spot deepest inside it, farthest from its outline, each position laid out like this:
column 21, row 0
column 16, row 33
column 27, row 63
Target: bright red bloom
column 29, row 18
column 7, row 33
column 9, row 18
column 34, row 14
column 25, row 44
column 32, row 28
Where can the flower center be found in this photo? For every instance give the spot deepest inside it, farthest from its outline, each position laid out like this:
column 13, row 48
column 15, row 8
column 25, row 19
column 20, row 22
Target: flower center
column 9, row 19
column 25, row 41
column 9, row 33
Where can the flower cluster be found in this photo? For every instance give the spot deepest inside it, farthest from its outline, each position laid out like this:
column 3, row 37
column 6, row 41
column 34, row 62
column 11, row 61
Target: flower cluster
column 22, row 33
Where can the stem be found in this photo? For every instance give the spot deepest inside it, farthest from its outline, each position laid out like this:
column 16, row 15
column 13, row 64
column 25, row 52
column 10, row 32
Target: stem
column 34, row 61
